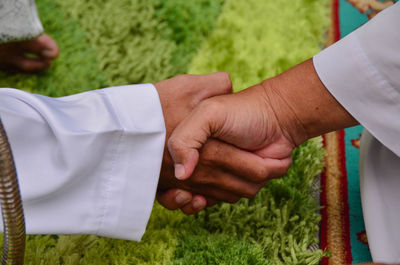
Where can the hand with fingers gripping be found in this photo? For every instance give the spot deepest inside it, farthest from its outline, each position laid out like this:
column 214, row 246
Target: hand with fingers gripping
column 224, row 172
column 268, row 120
column 250, row 125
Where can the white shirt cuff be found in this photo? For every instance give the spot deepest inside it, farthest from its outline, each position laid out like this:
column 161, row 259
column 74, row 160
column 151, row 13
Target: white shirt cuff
column 348, row 74
column 87, row 163
column 128, row 199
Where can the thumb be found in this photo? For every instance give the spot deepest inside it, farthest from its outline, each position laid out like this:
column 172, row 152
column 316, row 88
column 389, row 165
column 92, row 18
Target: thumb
column 189, row 136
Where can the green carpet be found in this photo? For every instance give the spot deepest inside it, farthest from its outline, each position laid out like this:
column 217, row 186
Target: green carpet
column 134, row 41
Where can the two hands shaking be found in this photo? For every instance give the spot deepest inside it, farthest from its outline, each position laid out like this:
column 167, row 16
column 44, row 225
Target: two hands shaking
column 223, row 147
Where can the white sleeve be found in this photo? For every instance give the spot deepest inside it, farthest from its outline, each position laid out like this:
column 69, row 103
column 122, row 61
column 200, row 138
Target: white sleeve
column 87, row 163
column 362, row 71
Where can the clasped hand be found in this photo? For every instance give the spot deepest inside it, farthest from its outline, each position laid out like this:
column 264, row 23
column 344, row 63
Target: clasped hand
column 221, row 146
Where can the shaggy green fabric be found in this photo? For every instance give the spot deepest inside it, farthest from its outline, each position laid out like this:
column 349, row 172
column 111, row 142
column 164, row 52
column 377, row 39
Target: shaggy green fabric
column 134, row 41
column 125, row 37
column 188, row 23
column 257, row 39
column 140, row 41
column 281, row 220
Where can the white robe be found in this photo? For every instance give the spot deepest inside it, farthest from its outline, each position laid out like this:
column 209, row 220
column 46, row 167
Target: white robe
column 362, row 71
column 87, row 163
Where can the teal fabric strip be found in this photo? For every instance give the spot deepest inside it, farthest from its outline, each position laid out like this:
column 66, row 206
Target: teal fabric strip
column 359, row 249
column 349, row 18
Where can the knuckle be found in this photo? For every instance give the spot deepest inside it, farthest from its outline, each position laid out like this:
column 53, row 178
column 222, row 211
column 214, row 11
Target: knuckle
column 227, row 81
column 282, row 169
column 210, row 152
column 253, row 192
column 206, row 158
column 173, row 143
column 287, row 165
column 261, row 174
column 206, row 155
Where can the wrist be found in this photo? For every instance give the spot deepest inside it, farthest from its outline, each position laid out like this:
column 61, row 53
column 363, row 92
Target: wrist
column 309, row 110
column 290, row 125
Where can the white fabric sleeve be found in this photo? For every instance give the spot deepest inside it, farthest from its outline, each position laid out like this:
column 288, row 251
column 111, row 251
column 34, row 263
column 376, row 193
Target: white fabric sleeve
column 87, row 163
column 362, row 71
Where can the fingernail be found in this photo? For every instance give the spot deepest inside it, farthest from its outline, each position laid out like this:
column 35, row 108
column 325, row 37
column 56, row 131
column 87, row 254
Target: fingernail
column 197, row 204
column 179, row 171
column 47, row 53
column 182, row 198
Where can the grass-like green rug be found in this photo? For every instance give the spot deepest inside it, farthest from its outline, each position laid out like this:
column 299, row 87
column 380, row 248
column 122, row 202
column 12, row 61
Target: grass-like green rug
column 106, row 43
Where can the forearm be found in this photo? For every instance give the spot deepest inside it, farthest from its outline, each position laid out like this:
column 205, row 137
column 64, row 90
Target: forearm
column 302, row 104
